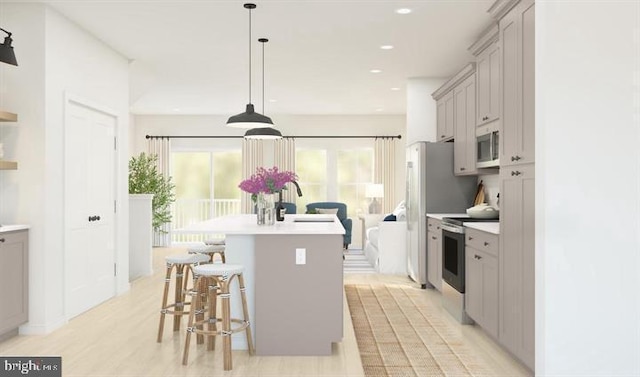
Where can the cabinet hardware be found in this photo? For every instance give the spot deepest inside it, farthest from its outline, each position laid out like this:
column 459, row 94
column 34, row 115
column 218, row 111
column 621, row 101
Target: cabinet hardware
column 430, row 224
column 461, row 169
column 98, row 218
column 1, row 239
column 434, row 238
column 515, row 158
column 470, row 238
column 477, row 257
column 516, row 173
column 486, row 243
column 442, row 136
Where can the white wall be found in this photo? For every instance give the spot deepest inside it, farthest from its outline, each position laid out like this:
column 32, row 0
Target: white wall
column 421, row 109
column 587, row 188
column 55, row 57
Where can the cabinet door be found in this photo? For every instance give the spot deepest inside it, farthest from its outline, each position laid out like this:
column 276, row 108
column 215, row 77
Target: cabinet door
column 465, row 115
column 14, row 280
column 434, row 261
column 446, row 114
column 488, row 81
column 517, row 261
column 517, row 36
column 481, row 294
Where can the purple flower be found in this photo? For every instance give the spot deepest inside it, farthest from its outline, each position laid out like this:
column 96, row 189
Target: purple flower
column 268, row 181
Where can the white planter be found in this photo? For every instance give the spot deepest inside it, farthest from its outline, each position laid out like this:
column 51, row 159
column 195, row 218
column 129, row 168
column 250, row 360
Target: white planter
column 140, row 236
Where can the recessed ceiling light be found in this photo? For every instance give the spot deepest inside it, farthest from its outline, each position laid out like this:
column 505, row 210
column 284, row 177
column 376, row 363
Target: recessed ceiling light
column 403, row 11
column 386, row 47
column 375, row 71
column 395, row 89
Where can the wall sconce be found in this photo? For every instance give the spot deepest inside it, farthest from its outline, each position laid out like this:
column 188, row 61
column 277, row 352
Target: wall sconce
column 6, row 50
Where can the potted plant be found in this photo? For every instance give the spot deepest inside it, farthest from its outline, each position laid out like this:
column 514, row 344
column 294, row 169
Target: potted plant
column 144, row 178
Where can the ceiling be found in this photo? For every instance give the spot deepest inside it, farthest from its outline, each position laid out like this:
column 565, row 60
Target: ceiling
column 191, row 56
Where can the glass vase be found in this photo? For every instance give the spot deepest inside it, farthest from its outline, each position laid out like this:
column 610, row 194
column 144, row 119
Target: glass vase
column 266, row 209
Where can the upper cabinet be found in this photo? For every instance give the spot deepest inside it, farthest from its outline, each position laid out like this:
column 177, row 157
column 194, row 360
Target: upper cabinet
column 517, row 43
column 445, row 111
column 487, row 53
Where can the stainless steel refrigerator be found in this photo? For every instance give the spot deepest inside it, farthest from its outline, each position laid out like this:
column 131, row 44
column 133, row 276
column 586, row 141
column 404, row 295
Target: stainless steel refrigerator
column 431, row 188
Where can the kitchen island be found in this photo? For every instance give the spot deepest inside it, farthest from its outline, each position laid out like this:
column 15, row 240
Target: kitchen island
column 294, row 281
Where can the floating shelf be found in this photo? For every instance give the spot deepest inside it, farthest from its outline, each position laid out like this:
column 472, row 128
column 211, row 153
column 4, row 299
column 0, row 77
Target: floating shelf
column 8, row 165
column 6, row 116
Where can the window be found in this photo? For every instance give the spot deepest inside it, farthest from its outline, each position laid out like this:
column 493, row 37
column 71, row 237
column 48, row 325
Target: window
column 339, row 175
column 206, row 187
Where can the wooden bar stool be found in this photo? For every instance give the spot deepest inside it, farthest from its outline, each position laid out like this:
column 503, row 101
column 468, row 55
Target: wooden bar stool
column 214, row 280
column 182, row 265
column 210, row 250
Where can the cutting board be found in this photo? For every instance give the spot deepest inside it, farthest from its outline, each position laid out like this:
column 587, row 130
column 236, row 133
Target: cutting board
column 479, row 198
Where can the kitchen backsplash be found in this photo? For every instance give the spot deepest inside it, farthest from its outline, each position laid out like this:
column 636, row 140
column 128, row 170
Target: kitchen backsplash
column 491, row 184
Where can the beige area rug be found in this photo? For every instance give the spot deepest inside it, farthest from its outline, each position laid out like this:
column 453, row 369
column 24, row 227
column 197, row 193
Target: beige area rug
column 398, row 337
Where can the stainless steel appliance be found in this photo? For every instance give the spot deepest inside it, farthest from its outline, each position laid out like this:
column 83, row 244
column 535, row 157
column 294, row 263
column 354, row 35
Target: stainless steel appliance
column 453, row 265
column 487, row 148
column 431, row 188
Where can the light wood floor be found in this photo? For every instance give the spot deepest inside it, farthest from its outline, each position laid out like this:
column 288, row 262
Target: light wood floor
column 118, row 338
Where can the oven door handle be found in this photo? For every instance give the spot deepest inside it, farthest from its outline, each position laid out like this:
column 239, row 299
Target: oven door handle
column 452, row 228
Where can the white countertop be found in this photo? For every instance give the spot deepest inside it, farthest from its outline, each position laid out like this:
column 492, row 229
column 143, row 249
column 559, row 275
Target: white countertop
column 489, row 227
column 439, row 216
column 11, row 228
column 247, row 224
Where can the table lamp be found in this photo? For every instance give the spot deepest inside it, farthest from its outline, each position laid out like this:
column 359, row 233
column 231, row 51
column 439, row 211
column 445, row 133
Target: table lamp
column 374, row 191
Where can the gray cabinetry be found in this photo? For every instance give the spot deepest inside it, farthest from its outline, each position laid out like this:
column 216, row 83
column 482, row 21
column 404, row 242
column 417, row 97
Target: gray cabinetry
column 517, row 261
column 481, row 292
column 445, row 113
column 517, row 41
column 14, row 278
column 434, row 253
column 488, row 78
column 464, row 156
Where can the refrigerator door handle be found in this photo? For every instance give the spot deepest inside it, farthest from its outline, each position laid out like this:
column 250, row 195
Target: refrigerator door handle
column 408, row 193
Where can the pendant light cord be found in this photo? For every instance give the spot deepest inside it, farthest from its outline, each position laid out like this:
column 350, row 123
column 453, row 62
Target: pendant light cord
column 249, row 55
column 263, row 74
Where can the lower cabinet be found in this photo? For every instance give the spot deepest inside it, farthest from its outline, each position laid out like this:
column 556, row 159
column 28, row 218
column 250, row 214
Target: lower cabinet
column 481, row 295
column 14, row 279
column 434, row 253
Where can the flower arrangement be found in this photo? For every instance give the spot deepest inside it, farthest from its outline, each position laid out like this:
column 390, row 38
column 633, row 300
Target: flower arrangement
column 267, row 181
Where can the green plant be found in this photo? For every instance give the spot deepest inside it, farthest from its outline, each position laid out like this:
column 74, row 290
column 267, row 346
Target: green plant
column 144, row 178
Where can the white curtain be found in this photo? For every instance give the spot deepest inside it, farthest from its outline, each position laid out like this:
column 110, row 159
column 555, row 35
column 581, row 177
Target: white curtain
column 284, row 157
column 384, row 170
column 252, row 158
column 162, row 148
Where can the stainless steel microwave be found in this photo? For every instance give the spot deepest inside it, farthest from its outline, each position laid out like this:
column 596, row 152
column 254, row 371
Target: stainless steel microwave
column 487, row 148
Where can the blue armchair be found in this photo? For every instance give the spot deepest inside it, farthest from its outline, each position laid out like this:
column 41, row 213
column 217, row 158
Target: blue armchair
column 347, row 223
column 290, row 208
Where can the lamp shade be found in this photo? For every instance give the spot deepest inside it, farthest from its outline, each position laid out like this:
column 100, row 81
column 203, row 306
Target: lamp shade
column 6, row 52
column 249, row 119
column 374, row 190
column 263, row 133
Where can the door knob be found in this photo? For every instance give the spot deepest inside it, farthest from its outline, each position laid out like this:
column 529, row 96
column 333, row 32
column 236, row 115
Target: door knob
column 98, row 218
column 91, row 218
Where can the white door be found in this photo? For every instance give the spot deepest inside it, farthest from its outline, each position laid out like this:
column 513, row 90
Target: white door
column 89, row 207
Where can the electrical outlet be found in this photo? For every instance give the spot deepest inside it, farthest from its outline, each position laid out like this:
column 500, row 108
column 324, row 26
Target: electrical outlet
column 301, row 256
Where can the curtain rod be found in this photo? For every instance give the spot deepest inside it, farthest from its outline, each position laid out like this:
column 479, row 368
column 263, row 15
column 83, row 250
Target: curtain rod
column 286, row 137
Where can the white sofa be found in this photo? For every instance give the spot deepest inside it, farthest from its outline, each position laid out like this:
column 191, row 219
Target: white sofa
column 386, row 247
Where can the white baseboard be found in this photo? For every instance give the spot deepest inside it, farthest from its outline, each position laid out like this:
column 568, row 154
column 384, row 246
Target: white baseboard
column 32, row 329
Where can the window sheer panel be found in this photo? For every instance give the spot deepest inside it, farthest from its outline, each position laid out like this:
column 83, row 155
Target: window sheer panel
column 384, row 156
column 311, row 167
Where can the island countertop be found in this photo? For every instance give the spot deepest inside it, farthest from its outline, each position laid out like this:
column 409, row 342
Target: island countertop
column 247, row 224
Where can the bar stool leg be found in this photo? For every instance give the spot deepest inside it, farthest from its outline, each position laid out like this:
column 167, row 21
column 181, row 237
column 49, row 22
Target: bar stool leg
column 226, row 322
column 178, row 296
column 212, row 324
column 190, row 327
column 245, row 313
column 165, row 295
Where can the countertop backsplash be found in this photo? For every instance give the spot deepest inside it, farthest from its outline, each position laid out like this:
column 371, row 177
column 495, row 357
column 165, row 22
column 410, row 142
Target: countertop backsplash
column 491, row 184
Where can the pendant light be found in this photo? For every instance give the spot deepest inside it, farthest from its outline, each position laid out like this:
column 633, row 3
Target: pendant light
column 263, row 132
column 249, row 119
column 6, row 50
